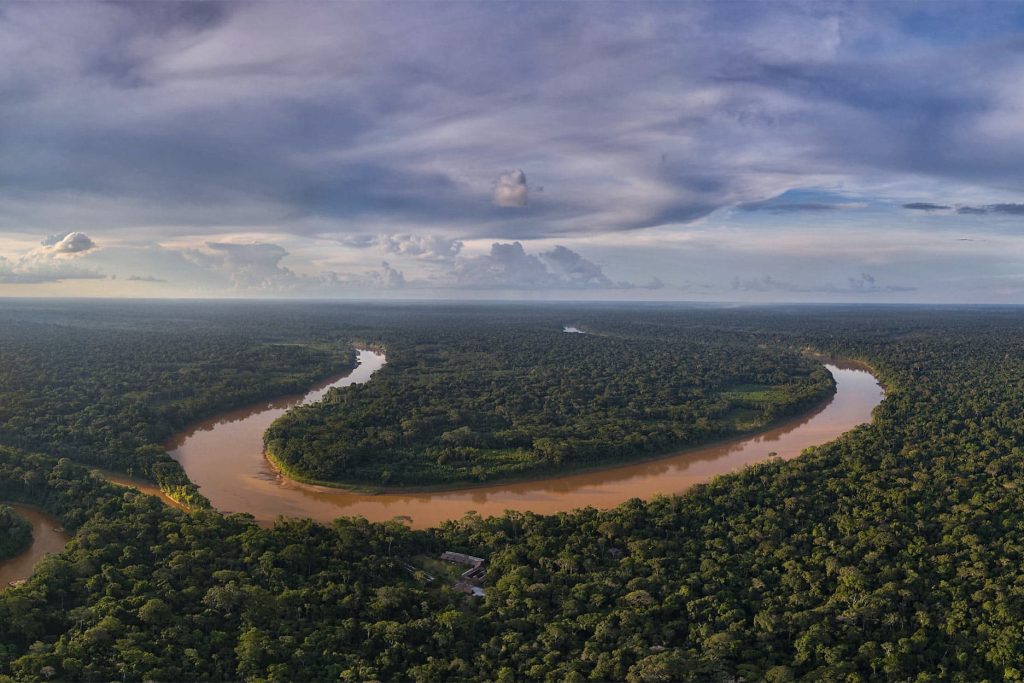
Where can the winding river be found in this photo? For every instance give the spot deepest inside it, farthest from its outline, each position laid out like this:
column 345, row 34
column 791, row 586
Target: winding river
column 224, row 457
column 47, row 538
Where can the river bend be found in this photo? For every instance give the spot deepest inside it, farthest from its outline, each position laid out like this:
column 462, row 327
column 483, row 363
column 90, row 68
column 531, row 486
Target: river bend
column 224, row 457
column 47, row 538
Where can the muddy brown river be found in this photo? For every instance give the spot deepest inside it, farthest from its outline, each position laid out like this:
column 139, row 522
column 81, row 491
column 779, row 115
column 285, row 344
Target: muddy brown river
column 224, row 457
column 46, row 540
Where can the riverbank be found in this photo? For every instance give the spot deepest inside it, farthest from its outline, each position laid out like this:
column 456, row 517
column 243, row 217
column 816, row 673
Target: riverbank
column 140, row 485
column 298, row 480
column 851, row 362
column 15, row 533
column 226, row 459
column 48, row 537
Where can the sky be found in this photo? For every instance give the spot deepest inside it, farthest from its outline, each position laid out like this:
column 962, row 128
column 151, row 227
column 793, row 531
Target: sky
column 721, row 151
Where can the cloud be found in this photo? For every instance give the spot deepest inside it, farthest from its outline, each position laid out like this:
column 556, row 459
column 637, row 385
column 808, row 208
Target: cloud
column 390, row 277
column 786, row 208
column 426, row 247
column 1009, row 209
column 802, row 200
column 510, row 266
column 153, row 123
column 765, row 283
column 357, row 241
column 507, row 265
column 256, row 267
column 429, row 247
column 175, row 111
column 250, row 266
column 330, row 282
column 511, row 189
column 68, row 243
column 56, row 260
column 862, row 284
column 926, row 206
column 29, row 270
column 144, row 278
column 992, row 209
column 1006, row 209
column 569, row 266
column 159, row 118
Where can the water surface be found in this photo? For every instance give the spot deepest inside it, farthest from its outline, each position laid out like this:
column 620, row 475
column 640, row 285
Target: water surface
column 224, row 457
column 46, row 540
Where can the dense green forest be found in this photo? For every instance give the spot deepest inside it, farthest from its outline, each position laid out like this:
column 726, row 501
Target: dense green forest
column 107, row 383
column 460, row 403
column 15, row 533
column 893, row 553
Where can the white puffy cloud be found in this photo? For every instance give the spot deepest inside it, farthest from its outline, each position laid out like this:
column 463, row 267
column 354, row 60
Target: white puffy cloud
column 568, row 265
column 330, row 282
column 511, row 189
column 68, row 243
column 34, row 270
column 357, row 241
column 249, row 266
column 429, row 247
column 510, row 266
column 256, row 267
column 55, row 261
column 507, row 265
column 390, row 277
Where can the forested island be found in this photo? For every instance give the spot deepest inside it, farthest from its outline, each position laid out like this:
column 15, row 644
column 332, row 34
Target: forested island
column 892, row 553
column 499, row 399
column 15, row 533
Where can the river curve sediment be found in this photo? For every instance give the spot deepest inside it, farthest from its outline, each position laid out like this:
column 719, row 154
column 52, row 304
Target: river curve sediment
column 224, row 457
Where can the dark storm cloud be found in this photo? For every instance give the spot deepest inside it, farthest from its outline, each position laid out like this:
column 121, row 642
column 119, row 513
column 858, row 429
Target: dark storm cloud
column 786, row 208
column 926, row 206
column 989, row 209
column 226, row 107
column 1008, row 209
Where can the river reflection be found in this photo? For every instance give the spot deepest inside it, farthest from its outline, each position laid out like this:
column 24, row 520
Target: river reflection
column 224, row 457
